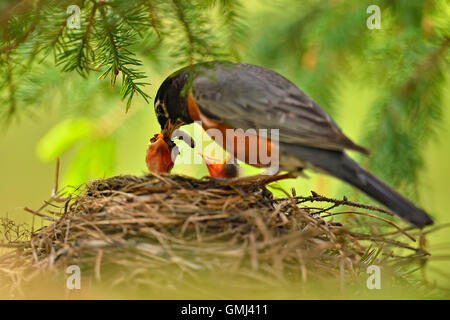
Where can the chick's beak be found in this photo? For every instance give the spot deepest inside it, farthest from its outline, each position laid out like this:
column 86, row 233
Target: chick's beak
column 221, row 169
column 159, row 154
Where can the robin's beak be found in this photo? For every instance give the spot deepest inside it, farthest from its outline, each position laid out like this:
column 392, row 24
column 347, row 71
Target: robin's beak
column 169, row 128
column 221, row 169
column 159, row 157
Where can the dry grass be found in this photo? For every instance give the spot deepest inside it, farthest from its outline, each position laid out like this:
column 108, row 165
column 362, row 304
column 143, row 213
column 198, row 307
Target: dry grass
column 170, row 232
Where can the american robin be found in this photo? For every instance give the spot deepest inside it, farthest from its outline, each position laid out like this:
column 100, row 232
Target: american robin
column 161, row 154
column 228, row 96
column 221, row 168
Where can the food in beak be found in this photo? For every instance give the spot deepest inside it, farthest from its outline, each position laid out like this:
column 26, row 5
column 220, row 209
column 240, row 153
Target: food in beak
column 161, row 154
column 221, row 169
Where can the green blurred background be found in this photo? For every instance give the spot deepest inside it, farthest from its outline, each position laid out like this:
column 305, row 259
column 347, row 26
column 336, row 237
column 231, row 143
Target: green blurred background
column 356, row 74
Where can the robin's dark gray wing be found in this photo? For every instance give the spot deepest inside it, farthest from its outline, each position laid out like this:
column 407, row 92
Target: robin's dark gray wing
column 248, row 96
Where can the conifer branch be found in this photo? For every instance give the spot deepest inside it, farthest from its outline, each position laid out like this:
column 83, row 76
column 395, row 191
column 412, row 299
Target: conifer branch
column 178, row 6
column 11, row 88
column 405, row 119
column 153, row 17
column 78, row 54
column 117, row 58
column 22, row 38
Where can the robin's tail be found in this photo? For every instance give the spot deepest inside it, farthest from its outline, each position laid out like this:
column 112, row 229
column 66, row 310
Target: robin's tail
column 341, row 166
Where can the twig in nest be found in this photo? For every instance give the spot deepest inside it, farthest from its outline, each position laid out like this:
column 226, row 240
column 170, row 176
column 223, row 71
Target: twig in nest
column 372, row 216
column 337, row 202
column 55, row 189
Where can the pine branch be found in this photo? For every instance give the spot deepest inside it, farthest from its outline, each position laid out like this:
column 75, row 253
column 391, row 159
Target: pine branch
column 155, row 22
column 233, row 25
column 405, row 118
column 425, row 65
column 180, row 12
column 154, row 19
column 134, row 14
column 117, row 58
column 110, row 31
column 77, row 53
column 11, row 88
column 51, row 34
column 196, row 40
column 23, row 37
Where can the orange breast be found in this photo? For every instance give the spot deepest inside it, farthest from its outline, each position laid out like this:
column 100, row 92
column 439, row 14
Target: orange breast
column 245, row 146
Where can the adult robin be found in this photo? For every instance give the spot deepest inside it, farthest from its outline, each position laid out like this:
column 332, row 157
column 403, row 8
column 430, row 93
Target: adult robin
column 226, row 97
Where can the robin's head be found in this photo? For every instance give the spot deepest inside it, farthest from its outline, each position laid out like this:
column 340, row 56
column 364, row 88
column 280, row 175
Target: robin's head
column 171, row 106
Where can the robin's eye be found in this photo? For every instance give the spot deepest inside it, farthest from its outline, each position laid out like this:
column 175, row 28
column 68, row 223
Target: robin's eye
column 159, row 109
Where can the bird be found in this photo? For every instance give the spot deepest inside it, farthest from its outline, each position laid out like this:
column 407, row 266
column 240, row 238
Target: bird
column 224, row 169
column 161, row 154
column 229, row 98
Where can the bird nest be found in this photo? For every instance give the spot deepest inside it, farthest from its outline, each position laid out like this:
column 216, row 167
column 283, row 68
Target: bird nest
column 165, row 233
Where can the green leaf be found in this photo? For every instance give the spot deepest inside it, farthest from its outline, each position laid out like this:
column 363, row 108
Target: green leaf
column 94, row 159
column 62, row 136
